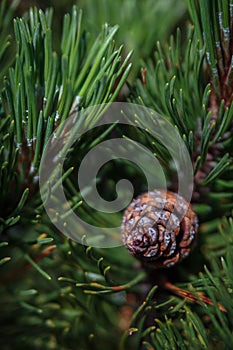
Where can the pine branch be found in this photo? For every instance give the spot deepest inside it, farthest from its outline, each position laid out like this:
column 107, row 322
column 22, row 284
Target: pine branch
column 215, row 25
column 77, row 293
column 175, row 86
column 43, row 89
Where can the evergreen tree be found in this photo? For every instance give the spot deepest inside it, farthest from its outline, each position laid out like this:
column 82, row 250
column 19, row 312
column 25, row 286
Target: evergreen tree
column 60, row 294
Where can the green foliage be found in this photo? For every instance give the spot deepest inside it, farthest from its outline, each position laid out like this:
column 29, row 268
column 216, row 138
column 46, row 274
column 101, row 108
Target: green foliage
column 178, row 84
column 42, row 90
column 56, row 293
column 65, row 303
column 135, row 19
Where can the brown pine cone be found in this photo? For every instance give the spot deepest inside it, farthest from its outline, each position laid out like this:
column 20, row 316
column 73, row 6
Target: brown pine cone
column 159, row 227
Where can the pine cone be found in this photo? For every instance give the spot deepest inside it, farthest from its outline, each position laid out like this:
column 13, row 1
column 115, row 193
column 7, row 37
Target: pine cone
column 159, row 227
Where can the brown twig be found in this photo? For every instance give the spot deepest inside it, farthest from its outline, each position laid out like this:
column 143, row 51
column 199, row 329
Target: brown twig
column 190, row 296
